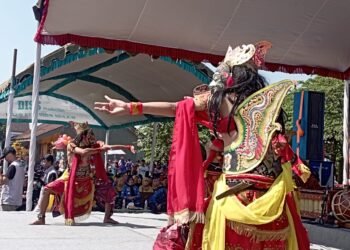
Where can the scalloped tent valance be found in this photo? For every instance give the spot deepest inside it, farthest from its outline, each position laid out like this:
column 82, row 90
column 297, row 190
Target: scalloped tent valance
column 307, row 36
column 72, row 79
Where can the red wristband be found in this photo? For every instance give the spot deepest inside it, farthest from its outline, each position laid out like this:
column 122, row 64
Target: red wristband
column 136, row 108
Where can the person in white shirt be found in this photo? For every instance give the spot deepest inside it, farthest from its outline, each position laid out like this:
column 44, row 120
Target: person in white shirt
column 143, row 169
column 12, row 181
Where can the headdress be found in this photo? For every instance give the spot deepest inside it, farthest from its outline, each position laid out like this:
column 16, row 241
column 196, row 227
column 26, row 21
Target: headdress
column 238, row 56
column 80, row 127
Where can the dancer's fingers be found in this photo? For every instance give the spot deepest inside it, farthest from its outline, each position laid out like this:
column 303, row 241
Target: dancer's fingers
column 101, row 103
column 108, row 98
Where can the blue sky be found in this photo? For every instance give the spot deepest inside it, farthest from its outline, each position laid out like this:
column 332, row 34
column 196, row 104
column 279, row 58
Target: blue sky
column 18, row 27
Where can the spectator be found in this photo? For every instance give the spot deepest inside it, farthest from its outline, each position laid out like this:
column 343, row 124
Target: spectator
column 158, row 169
column 119, row 182
column 137, row 180
column 115, row 168
column 128, row 165
column 134, row 169
column 50, row 173
column 143, row 168
column 62, row 165
column 131, row 193
column 12, row 182
column 122, row 165
column 156, row 183
column 157, row 201
column 145, row 190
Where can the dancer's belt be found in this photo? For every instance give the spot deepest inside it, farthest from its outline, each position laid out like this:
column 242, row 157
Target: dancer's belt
column 241, row 182
column 83, row 171
column 259, row 178
column 234, row 190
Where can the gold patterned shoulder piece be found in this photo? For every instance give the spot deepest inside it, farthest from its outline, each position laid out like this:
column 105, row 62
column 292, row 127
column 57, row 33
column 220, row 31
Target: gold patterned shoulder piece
column 256, row 124
column 201, row 101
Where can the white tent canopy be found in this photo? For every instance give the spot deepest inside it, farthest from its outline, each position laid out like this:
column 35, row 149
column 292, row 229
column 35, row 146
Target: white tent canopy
column 307, row 36
column 116, row 152
column 72, row 79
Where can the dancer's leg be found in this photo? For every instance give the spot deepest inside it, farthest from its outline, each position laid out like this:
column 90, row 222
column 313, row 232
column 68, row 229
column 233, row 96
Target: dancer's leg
column 108, row 214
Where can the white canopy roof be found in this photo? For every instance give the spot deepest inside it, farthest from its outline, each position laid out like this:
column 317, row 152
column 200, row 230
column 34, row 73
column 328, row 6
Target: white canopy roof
column 72, row 79
column 307, row 36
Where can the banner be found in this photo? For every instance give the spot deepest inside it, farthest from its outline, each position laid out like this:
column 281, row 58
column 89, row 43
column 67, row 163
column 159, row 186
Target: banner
column 51, row 109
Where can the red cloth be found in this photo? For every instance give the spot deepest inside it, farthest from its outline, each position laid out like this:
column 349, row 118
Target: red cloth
column 281, row 146
column 69, row 197
column 186, row 174
column 170, row 238
column 301, row 233
column 70, row 189
column 100, row 173
column 202, row 118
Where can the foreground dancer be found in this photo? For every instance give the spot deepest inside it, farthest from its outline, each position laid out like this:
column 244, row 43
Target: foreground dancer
column 252, row 204
column 76, row 189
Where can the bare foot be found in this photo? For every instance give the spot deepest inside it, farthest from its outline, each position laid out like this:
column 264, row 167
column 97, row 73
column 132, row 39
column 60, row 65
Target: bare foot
column 38, row 222
column 110, row 221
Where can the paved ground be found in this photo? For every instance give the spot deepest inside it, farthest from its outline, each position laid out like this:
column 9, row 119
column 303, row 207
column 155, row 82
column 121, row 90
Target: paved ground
column 136, row 231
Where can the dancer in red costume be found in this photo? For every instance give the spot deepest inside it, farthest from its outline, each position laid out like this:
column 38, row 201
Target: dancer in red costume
column 75, row 191
column 252, row 204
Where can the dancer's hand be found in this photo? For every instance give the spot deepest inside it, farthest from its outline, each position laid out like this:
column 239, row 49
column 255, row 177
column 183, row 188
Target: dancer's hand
column 113, row 106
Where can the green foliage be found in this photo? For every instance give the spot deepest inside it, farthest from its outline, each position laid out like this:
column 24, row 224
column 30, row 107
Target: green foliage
column 333, row 130
column 163, row 140
column 2, row 132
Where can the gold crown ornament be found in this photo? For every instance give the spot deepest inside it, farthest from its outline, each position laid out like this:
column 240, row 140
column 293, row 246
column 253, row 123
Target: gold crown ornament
column 238, row 56
column 243, row 53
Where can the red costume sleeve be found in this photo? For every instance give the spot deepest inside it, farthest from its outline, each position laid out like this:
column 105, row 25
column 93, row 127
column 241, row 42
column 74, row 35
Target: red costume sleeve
column 284, row 150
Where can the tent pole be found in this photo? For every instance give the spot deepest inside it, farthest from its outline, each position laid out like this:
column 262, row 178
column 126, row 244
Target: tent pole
column 32, row 145
column 106, row 153
column 155, row 132
column 346, row 180
column 10, row 105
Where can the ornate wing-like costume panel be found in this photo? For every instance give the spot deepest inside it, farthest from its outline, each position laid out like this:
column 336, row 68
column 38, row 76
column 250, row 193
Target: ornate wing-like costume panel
column 256, row 124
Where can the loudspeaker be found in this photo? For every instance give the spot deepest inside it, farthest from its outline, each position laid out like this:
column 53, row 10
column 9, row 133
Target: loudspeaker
column 309, row 106
column 324, row 170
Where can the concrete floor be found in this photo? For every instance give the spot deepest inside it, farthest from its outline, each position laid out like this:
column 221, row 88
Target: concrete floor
column 135, row 231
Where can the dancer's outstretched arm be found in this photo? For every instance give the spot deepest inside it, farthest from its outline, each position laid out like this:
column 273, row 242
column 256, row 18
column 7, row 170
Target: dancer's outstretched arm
column 87, row 151
column 119, row 107
column 127, row 147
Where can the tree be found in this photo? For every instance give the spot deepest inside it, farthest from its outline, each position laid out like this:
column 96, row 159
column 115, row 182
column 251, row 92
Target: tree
column 164, row 139
column 2, row 133
column 333, row 125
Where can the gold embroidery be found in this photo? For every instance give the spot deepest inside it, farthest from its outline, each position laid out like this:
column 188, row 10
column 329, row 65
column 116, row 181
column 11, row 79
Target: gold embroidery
column 256, row 234
column 185, row 216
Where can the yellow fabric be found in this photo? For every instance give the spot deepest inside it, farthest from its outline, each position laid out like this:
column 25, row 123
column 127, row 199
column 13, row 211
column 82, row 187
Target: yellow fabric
column 263, row 210
column 305, row 172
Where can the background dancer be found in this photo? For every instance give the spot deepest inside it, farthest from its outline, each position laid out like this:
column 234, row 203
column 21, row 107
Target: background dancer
column 77, row 183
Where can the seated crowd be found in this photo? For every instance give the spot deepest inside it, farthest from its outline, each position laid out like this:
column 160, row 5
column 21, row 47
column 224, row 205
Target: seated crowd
column 138, row 187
